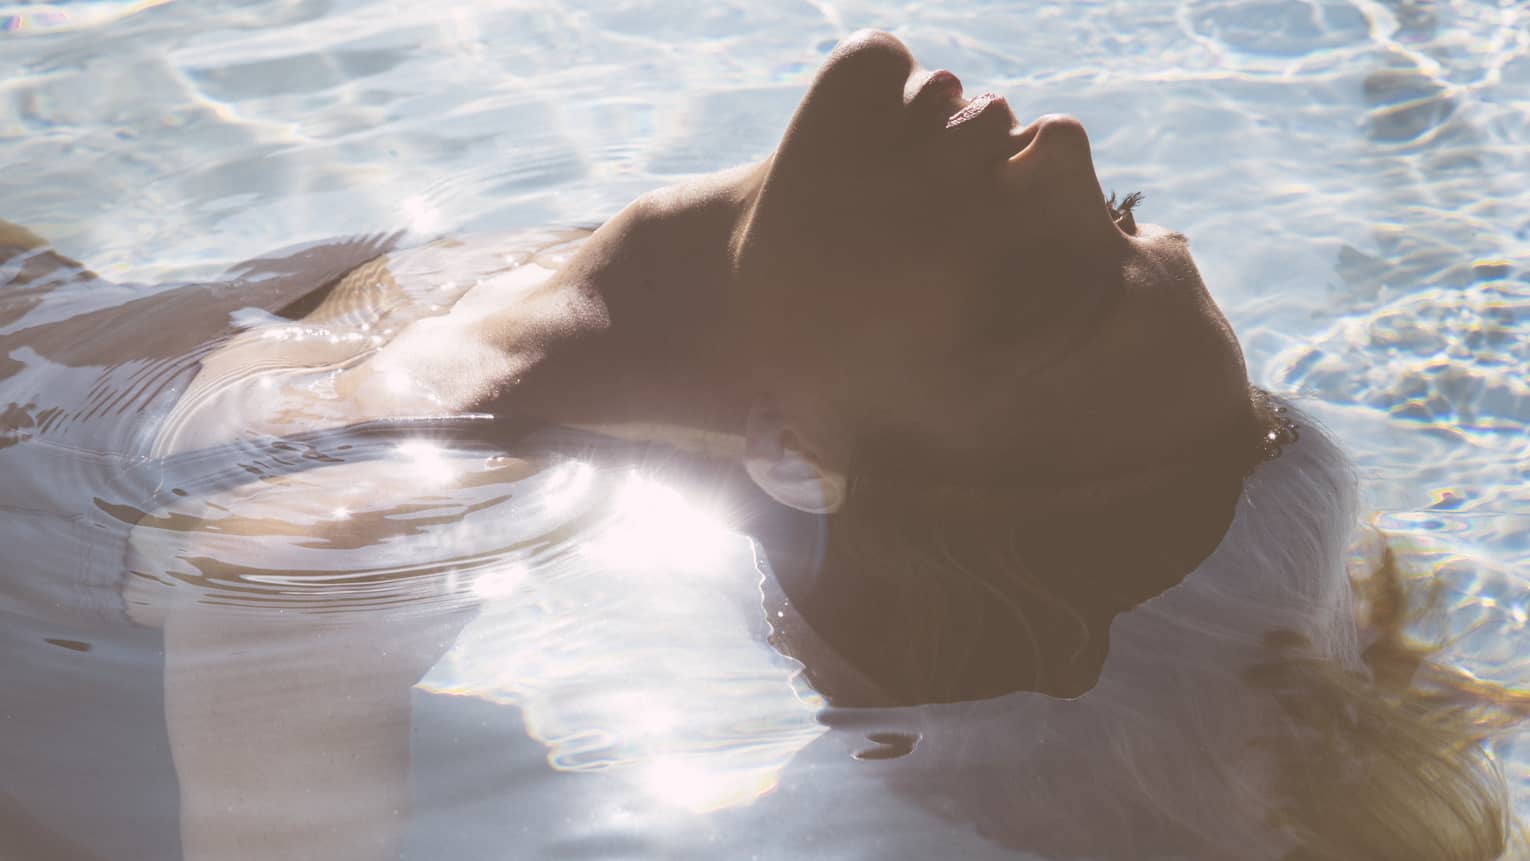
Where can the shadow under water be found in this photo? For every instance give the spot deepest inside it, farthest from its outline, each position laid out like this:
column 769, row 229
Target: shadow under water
column 294, row 634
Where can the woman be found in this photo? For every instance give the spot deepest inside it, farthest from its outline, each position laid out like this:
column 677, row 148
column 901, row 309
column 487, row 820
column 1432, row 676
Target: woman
column 971, row 408
column 904, row 295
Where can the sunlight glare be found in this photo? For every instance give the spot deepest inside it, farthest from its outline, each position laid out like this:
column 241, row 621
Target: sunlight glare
column 500, row 582
column 399, row 382
column 649, row 715
column 426, row 461
column 695, row 787
column 421, row 215
column 570, row 484
column 657, row 527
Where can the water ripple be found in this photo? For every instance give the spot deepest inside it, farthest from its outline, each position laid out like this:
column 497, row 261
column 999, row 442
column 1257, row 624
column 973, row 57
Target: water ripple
column 38, row 18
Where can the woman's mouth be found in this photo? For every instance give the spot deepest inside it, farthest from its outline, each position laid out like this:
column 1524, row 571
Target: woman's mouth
column 986, row 117
column 936, row 94
column 940, row 94
column 975, row 108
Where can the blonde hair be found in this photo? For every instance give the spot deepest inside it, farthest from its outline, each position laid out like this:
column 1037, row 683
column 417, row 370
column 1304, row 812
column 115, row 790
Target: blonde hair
column 1379, row 748
column 1373, row 749
column 1390, row 763
column 1266, row 706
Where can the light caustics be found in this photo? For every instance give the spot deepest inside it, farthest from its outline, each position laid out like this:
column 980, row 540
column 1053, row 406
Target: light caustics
column 657, row 528
column 58, row 17
column 638, row 650
column 427, row 462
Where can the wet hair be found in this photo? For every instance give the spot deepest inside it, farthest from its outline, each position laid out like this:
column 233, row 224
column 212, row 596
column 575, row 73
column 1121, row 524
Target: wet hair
column 1374, row 748
column 1390, row 762
column 1034, row 571
column 1249, row 709
column 1260, row 704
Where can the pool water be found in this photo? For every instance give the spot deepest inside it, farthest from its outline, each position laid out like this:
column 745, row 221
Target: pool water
column 1353, row 174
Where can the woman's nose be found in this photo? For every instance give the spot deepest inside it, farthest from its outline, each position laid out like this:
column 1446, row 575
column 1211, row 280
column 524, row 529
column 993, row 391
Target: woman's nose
column 875, row 43
column 870, row 62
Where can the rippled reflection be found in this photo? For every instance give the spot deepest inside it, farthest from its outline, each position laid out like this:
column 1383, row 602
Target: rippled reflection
column 655, row 528
column 426, row 461
column 201, row 134
column 671, row 686
column 56, row 17
column 407, row 525
column 697, row 786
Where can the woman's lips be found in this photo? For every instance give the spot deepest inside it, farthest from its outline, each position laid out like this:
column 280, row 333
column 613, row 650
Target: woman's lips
column 973, row 109
column 987, row 117
column 940, row 94
column 938, row 91
column 986, row 128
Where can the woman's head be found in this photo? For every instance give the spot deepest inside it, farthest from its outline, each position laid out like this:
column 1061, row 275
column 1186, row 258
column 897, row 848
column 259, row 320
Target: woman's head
column 922, row 277
column 1002, row 384
column 1045, row 421
column 932, row 324
column 994, row 588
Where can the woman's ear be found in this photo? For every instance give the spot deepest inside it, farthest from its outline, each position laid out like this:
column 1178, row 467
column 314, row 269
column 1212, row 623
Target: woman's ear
column 776, row 460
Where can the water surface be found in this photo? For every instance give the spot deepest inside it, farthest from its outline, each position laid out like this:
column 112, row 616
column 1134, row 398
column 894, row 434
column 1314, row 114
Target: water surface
column 1353, row 175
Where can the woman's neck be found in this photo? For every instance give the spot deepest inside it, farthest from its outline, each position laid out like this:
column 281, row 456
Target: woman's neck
column 663, row 354
column 658, row 350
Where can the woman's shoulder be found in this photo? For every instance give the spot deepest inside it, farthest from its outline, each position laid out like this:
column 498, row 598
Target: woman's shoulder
column 391, row 336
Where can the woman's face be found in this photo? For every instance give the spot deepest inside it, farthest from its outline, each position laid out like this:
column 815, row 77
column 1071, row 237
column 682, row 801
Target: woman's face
column 930, row 277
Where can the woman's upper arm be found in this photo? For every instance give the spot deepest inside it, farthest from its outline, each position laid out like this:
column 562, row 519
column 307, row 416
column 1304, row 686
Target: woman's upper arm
column 399, row 335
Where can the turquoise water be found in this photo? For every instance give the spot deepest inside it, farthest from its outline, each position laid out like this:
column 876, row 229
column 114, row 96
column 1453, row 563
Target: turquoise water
column 1353, row 174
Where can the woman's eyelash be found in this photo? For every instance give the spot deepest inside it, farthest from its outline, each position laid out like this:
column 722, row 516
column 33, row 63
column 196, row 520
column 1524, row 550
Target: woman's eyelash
column 1121, row 213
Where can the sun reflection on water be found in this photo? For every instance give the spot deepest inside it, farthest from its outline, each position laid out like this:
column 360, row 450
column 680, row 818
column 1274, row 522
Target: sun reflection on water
column 426, row 461
column 694, row 785
column 58, row 17
column 568, row 485
column 656, row 527
column 638, row 647
column 500, row 582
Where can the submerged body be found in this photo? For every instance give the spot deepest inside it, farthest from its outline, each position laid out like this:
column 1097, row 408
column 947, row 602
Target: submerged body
column 1174, row 681
column 917, row 373
column 1035, row 772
